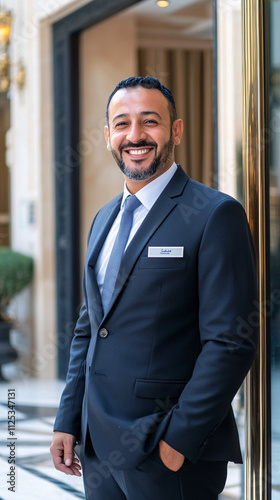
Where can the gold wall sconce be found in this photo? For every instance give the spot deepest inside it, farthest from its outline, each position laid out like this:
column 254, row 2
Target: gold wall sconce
column 5, row 64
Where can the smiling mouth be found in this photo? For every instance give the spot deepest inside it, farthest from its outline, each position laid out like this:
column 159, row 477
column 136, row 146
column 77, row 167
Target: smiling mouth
column 138, row 152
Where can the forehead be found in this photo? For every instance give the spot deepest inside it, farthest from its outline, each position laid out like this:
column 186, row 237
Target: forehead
column 136, row 100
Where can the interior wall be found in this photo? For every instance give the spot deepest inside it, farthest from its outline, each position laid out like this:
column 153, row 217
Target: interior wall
column 108, row 54
column 188, row 73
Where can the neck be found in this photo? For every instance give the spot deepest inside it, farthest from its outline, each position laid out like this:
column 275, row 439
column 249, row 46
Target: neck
column 134, row 186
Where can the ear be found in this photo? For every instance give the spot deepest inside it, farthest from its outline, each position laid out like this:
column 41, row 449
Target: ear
column 177, row 129
column 107, row 137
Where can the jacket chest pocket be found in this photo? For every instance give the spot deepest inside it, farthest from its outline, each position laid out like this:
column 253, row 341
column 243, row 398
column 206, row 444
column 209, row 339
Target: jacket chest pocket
column 163, row 262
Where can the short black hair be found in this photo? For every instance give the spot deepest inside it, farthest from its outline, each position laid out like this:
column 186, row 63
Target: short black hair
column 147, row 82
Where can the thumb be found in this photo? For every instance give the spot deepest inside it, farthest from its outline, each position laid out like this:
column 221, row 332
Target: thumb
column 68, row 454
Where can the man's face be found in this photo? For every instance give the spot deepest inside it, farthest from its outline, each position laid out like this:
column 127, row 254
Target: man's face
column 140, row 135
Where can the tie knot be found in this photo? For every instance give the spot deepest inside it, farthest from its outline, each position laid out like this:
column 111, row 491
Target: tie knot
column 131, row 203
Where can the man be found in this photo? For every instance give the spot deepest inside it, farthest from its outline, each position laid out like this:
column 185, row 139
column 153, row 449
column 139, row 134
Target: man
column 164, row 340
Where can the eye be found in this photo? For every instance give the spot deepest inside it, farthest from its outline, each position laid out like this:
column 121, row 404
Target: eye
column 121, row 124
column 150, row 122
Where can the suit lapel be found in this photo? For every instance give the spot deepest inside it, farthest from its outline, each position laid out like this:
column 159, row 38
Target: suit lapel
column 101, row 229
column 161, row 209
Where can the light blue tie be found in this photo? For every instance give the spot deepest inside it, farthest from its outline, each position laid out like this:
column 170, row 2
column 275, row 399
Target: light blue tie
column 130, row 204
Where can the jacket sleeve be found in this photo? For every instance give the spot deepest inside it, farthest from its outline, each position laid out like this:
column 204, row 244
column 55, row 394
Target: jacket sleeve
column 68, row 417
column 228, row 326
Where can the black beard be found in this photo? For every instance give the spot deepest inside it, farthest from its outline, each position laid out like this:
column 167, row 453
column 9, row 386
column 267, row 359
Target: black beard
column 158, row 163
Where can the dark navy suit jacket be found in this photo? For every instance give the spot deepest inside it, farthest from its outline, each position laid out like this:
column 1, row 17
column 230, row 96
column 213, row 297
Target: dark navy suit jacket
column 169, row 355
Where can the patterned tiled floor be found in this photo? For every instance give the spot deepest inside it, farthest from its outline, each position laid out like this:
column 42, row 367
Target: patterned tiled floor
column 36, row 478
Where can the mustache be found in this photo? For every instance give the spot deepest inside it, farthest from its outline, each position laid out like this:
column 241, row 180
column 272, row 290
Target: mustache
column 140, row 144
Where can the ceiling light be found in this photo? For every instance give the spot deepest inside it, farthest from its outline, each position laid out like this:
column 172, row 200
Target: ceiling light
column 162, row 3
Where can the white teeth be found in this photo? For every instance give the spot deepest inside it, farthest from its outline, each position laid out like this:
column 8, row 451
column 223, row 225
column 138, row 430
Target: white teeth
column 138, row 151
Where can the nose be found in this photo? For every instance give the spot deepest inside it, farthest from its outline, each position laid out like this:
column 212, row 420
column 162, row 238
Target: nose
column 136, row 133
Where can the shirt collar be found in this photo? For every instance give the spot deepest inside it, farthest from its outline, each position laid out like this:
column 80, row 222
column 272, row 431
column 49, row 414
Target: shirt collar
column 149, row 194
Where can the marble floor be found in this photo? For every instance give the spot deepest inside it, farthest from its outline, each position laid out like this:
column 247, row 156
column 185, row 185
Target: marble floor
column 35, row 477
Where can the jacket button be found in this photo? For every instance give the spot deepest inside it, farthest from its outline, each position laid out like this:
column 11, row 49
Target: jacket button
column 103, row 333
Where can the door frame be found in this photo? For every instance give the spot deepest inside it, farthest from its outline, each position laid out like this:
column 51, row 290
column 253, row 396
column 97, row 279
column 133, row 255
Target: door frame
column 255, row 27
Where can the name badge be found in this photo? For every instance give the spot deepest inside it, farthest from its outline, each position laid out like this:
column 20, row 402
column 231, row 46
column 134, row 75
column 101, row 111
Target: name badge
column 166, row 252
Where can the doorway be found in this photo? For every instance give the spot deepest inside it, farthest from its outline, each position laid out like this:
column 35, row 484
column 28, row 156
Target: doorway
column 179, row 48
column 189, row 44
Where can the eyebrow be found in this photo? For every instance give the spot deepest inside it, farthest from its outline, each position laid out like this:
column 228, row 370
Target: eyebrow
column 144, row 113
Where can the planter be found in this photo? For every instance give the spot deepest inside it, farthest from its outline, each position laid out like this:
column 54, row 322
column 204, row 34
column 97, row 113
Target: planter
column 16, row 271
column 7, row 353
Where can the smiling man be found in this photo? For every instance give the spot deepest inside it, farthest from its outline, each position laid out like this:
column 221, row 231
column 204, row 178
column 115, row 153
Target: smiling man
column 163, row 340
column 140, row 138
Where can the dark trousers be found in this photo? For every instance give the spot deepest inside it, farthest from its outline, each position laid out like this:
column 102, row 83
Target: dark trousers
column 152, row 480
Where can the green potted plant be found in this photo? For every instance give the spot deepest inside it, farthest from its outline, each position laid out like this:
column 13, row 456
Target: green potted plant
column 16, row 271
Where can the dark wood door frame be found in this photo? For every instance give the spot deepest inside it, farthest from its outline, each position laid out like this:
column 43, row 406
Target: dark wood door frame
column 66, row 35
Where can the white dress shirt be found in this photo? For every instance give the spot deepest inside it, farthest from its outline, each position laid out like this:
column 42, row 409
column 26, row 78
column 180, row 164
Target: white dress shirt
column 148, row 195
